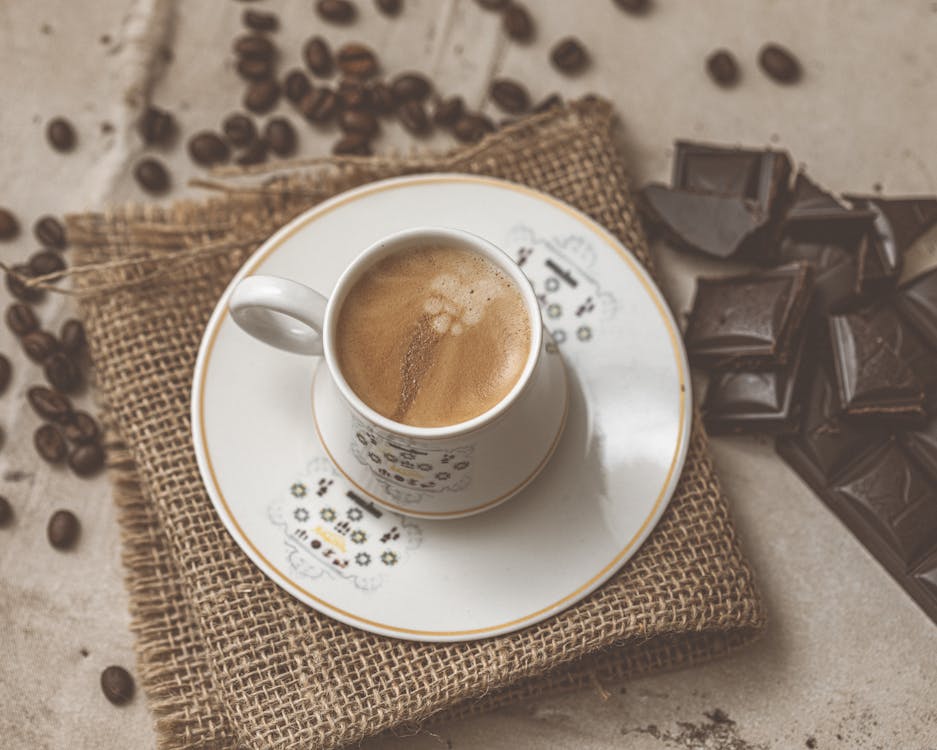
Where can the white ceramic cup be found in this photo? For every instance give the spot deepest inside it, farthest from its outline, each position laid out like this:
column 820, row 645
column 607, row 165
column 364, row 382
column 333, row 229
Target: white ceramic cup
column 430, row 472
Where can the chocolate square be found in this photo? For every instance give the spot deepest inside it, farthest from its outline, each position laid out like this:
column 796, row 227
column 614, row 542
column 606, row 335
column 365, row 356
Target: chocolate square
column 761, row 176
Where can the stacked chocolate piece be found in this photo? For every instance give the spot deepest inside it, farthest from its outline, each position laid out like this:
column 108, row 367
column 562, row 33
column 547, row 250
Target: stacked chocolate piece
column 823, row 347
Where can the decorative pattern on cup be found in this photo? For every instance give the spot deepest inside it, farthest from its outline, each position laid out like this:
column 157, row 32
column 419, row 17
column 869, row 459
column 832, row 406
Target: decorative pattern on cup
column 330, row 530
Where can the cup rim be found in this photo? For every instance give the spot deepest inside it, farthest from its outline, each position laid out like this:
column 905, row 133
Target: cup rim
column 388, row 245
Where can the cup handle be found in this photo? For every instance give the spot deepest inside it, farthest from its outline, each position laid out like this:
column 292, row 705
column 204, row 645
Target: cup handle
column 280, row 312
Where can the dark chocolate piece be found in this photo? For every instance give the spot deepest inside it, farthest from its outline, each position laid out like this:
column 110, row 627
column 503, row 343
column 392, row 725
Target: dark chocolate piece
column 916, row 301
column 750, row 321
column 810, row 202
column 759, row 176
column 766, row 401
column 902, row 220
column 922, row 444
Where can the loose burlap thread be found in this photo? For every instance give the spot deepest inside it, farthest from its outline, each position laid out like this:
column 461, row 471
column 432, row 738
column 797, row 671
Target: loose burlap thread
column 228, row 659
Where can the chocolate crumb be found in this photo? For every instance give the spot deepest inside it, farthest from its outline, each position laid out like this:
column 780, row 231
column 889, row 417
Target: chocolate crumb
column 718, row 716
column 811, row 743
column 84, row 652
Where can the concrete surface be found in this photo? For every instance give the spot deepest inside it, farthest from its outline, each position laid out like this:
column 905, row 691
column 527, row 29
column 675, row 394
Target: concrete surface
column 848, row 661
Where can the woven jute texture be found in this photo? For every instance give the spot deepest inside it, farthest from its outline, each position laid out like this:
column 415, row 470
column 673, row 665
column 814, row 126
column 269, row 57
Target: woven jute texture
column 227, row 658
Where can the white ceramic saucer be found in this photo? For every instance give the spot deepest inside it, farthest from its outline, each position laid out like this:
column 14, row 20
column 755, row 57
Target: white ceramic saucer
column 586, row 514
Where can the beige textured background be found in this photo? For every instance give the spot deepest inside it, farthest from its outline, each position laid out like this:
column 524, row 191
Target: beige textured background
column 848, row 659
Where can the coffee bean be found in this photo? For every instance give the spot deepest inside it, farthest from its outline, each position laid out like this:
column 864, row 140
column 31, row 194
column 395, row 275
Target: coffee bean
column 355, row 59
column 354, row 93
column 39, row 345
column 318, row 56
column 412, row 116
column 411, row 86
column 723, row 68
column 254, row 46
column 117, row 685
column 262, row 96
column 517, row 23
column 553, row 100
column 255, row 153
column 81, row 428
column 45, row 262
column 281, row 136
column 569, row 56
column 18, row 288
column 238, row 129
column 21, row 319
column 207, row 148
column 448, row 111
column 471, row 128
column 9, row 226
column 62, row 372
column 49, row 232
column 389, row 7
column 336, row 11
column 49, row 444
column 156, row 126
column 779, row 64
column 382, row 99
column 63, row 529
column 86, row 460
column 254, row 69
column 319, row 105
column 296, row 85
column 510, row 95
column 60, row 134
column 6, row 372
column 493, row 4
column 635, row 7
column 151, row 175
column 352, row 144
column 6, row 511
column 49, row 404
column 358, row 121
column 72, row 337
column 260, row 21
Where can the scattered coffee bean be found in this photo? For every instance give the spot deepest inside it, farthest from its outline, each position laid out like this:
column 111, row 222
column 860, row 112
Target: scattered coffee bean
column 319, row 105
column 448, row 111
column 382, row 99
column 49, row 232
column 262, row 96
column 281, row 136
column 354, row 94
column 21, row 319
column 151, row 175
column 296, row 85
column 510, row 95
column 518, row 23
column 63, row 529
column 254, row 46
column 356, row 59
column 49, row 404
column 207, row 148
column 60, row 134
column 260, row 21
column 9, row 226
column 45, row 262
column 352, row 144
column 238, row 129
column 81, row 428
column 50, row 445
column 72, row 336
column 6, row 372
column 38, row 345
column 553, row 100
column 779, row 64
column 117, row 685
column 254, row 69
column 411, row 86
column 336, row 11
column 412, row 116
column 62, row 372
column 493, row 4
column 255, row 153
column 86, row 460
column 723, row 68
column 358, row 121
column 17, row 287
column 635, row 7
column 569, row 56
column 318, row 56
column 471, row 128
column 389, row 7
column 156, row 126
column 6, row 511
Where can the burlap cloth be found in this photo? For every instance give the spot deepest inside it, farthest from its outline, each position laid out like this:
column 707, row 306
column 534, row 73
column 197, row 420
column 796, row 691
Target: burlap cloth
column 228, row 659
